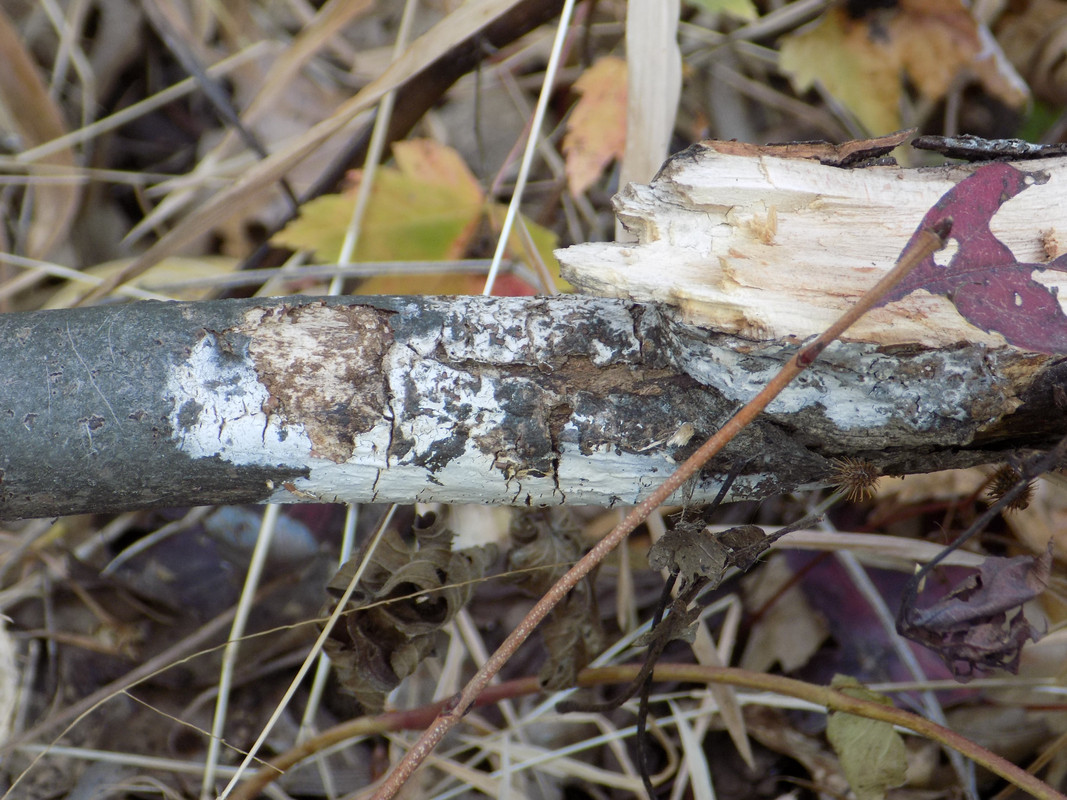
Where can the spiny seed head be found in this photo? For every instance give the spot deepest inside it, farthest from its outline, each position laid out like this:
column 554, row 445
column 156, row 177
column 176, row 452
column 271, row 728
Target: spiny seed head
column 1003, row 481
column 857, row 476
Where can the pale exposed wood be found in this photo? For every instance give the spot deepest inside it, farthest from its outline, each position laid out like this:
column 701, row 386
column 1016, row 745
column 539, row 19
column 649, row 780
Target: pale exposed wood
column 773, row 248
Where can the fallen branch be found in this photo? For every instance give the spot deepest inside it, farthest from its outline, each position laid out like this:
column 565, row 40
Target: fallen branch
column 924, row 244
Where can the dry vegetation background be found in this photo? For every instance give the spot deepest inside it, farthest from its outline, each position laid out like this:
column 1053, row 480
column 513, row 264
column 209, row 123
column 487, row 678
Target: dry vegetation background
column 194, row 150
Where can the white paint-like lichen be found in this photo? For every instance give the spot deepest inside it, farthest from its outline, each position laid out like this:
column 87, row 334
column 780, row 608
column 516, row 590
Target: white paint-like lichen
column 218, row 411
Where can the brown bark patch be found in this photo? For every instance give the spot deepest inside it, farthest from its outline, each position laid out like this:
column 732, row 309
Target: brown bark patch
column 323, row 368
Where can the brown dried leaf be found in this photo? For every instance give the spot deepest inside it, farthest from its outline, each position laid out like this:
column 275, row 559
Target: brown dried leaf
column 407, row 594
column 862, row 61
column 544, row 545
column 573, row 637
column 970, row 628
column 549, row 538
column 690, row 552
column 1032, row 35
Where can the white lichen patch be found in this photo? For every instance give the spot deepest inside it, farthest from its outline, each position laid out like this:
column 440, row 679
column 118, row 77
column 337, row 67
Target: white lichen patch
column 217, row 410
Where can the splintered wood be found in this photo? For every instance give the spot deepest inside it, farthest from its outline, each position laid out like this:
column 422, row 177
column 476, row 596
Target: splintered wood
column 773, row 243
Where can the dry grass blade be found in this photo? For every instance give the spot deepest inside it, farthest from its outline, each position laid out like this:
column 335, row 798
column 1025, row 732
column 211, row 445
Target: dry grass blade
column 25, row 102
column 248, row 190
column 923, row 245
column 817, row 696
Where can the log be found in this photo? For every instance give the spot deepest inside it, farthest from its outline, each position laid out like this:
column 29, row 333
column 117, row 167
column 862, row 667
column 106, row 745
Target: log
column 541, row 401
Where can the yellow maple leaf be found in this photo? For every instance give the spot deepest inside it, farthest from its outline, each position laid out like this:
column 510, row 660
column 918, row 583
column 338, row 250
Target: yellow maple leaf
column 427, row 208
column 863, row 61
column 861, row 73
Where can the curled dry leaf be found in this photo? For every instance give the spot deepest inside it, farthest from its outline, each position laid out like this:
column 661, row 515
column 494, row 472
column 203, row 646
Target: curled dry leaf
column 980, row 625
column 690, row 552
column 694, row 553
column 545, row 543
column 407, row 594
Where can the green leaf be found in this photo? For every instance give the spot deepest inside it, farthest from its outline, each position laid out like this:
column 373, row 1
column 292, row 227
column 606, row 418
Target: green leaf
column 872, row 753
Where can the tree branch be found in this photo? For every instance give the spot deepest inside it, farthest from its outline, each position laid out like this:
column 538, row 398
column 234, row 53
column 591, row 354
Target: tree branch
column 743, row 253
column 493, row 400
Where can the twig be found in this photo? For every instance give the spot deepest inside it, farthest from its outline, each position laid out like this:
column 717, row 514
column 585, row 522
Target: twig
column 929, row 241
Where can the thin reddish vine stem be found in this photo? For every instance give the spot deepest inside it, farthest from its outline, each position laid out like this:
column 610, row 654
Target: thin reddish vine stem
column 929, row 241
column 832, row 699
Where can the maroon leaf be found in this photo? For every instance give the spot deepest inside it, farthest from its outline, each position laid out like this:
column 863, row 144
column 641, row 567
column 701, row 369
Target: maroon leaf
column 971, row 628
column 989, row 288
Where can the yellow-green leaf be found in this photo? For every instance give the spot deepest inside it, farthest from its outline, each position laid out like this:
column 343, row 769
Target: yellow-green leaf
column 872, row 753
column 862, row 74
column 426, row 208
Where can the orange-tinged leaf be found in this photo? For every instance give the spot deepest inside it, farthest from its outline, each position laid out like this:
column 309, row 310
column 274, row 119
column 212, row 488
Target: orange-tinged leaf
column 436, row 164
column 940, row 40
column 426, row 208
column 596, row 129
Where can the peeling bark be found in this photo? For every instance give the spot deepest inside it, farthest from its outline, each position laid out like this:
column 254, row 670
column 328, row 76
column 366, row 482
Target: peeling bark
column 523, row 401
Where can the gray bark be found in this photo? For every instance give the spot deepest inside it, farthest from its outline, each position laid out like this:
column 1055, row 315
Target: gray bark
column 529, row 401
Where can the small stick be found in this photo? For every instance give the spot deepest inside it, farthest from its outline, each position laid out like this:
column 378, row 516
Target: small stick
column 928, row 241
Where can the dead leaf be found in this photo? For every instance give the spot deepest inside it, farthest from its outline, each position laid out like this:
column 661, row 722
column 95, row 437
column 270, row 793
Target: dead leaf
column 27, row 106
column 862, row 61
column 872, row 753
column 545, row 543
column 408, row 592
column 691, row 553
column 1032, row 35
column 596, row 129
column 789, row 631
column 970, row 628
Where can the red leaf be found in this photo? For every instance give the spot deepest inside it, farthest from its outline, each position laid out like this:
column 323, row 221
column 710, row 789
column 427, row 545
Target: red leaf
column 989, row 288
